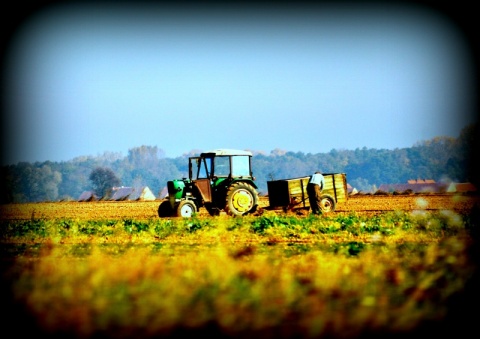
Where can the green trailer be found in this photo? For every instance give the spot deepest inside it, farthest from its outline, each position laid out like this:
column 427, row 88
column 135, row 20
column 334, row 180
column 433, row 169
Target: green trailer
column 291, row 194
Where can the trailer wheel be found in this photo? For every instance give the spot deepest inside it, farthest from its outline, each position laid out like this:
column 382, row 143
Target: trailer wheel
column 165, row 209
column 186, row 209
column 327, row 203
column 242, row 199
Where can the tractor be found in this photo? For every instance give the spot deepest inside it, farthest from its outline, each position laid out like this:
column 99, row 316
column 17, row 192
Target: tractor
column 220, row 181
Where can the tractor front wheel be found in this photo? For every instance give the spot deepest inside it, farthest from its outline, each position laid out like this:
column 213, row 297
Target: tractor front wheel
column 242, row 198
column 186, row 209
column 165, row 209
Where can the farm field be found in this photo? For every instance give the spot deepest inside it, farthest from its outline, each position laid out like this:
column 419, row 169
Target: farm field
column 363, row 204
column 379, row 266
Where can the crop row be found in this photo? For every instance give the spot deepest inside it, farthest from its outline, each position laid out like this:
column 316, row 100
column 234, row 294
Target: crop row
column 392, row 227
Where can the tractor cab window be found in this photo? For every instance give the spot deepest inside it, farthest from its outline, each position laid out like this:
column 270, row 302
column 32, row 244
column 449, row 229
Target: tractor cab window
column 222, row 166
column 241, row 166
column 201, row 168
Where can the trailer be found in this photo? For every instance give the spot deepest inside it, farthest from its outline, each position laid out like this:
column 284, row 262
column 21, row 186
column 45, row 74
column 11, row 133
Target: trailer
column 291, row 194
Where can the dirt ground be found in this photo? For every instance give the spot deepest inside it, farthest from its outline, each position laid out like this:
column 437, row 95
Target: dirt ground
column 360, row 204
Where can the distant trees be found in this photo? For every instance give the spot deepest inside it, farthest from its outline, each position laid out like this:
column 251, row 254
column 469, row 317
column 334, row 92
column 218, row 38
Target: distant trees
column 103, row 179
column 147, row 156
column 30, row 183
column 440, row 159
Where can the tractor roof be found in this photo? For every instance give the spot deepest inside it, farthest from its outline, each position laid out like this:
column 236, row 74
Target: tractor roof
column 226, row 152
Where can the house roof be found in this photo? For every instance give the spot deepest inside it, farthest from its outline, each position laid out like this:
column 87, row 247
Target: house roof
column 428, row 186
column 351, row 190
column 121, row 193
column 466, row 187
column 141, row 193
column 417, row 187
column 163, row 192
column 87, row 196
column 421, row 181
column 132, row 193
column 461, row 187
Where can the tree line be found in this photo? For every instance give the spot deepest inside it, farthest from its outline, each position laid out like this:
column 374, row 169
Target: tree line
column 441, row 159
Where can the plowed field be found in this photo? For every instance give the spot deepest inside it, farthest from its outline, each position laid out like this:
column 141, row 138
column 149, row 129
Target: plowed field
column 361, row 204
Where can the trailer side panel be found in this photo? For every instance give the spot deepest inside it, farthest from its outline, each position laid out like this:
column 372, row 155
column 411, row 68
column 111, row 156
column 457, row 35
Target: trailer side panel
column 293, row 192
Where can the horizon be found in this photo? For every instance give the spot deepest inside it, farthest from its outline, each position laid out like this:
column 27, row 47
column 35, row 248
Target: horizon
column 273, row 152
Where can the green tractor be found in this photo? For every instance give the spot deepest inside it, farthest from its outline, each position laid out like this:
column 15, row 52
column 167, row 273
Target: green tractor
column 220, row 180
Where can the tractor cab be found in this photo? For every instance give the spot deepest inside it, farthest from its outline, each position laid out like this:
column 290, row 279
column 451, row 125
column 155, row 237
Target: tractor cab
column 219, row 180
column 212, row 171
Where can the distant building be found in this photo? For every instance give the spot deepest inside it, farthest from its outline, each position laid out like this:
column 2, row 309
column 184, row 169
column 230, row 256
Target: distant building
column 351, row 190
column 132, row 194
column 427, row 186
column 121, row 193
column 88, row 196
column 163, row 193
column 142, row 194
column 461, row 187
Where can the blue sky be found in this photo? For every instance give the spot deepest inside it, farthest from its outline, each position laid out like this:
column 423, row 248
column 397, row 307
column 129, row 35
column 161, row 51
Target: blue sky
column 88, row 79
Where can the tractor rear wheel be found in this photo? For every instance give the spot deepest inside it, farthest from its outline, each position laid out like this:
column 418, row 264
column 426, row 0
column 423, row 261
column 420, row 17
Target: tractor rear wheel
column 242, row 198
column 327, row 203
column 186, row 209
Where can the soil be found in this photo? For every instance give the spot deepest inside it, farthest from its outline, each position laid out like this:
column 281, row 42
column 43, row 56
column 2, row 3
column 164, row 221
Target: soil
column 359, row 204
